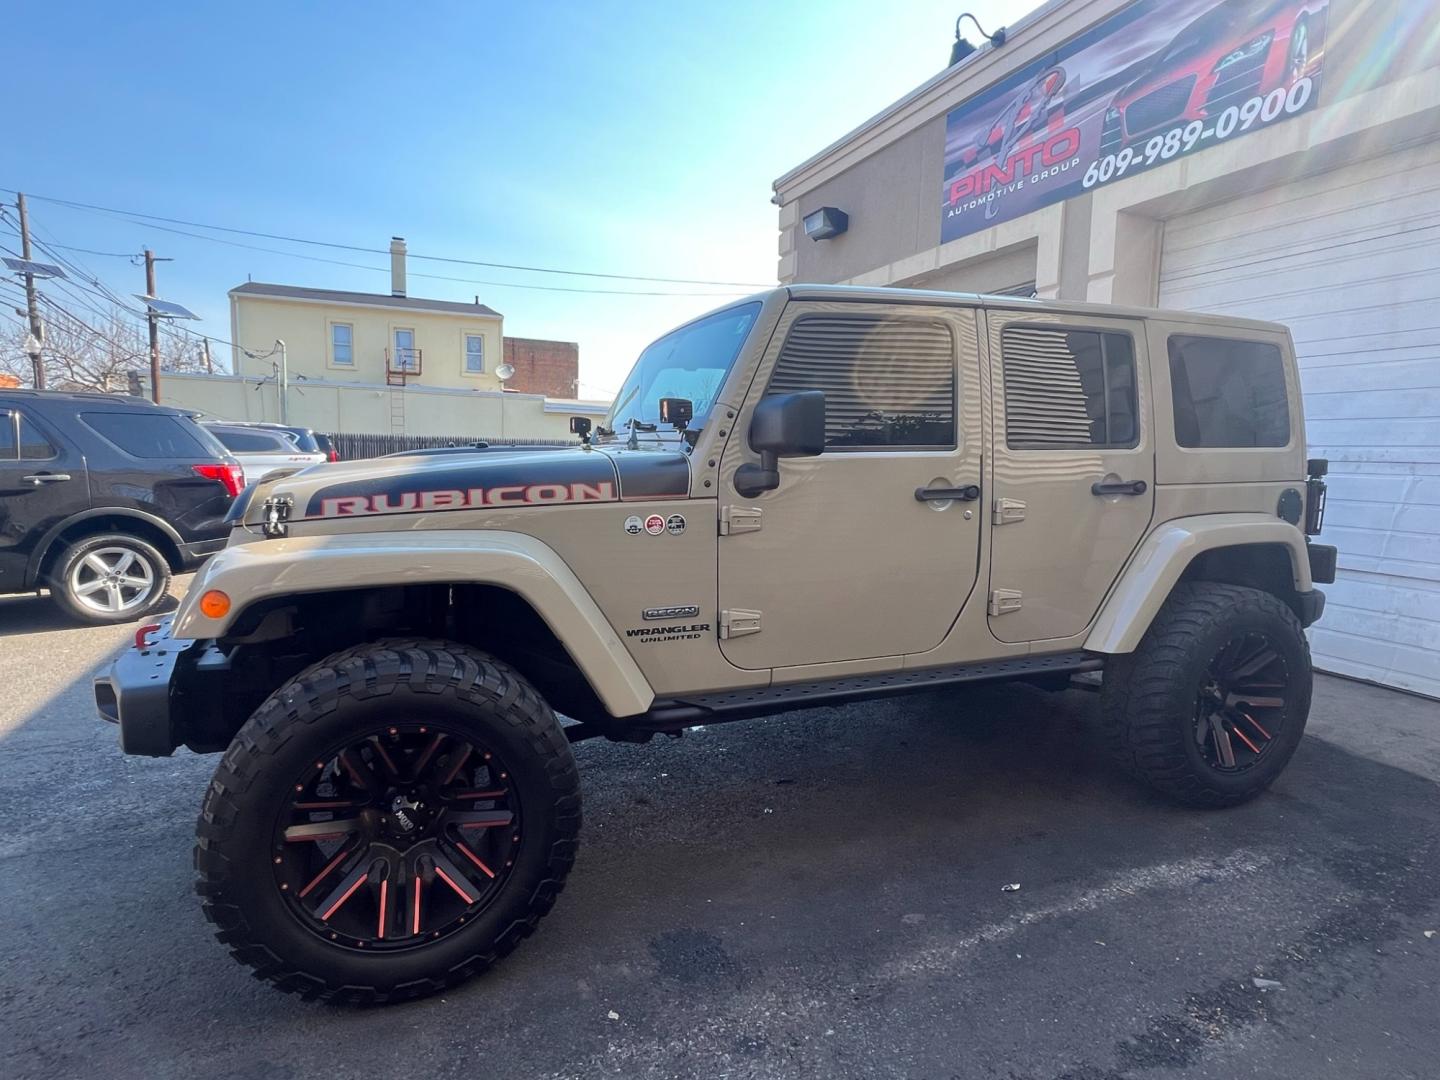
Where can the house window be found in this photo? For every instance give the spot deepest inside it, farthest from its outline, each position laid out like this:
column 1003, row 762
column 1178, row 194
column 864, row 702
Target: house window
column 474, row 354
column 889, row 381
column 1068, row 389
column 342, row 344
column 407, row 357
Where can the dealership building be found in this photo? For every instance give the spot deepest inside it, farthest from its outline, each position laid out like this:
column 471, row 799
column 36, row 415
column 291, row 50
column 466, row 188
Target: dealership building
column 1276, row 159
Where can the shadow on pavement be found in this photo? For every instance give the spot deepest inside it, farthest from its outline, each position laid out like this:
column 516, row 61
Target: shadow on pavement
column 30, row 614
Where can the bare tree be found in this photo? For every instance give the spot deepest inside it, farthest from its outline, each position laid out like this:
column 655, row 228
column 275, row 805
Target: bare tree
column 95, row 353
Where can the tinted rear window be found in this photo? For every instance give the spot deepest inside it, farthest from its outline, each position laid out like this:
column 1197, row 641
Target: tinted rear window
column 148, row 435
column 305, row 440
column 254, row 442
column 1228, row 393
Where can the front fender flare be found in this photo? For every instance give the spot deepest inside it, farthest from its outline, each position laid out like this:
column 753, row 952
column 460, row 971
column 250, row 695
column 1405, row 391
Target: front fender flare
column 1161, row 560
column 328, row 563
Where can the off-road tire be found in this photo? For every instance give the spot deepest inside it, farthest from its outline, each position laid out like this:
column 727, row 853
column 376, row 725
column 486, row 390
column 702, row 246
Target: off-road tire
column 61, row 574
column 1148, row 697
column 341, row 693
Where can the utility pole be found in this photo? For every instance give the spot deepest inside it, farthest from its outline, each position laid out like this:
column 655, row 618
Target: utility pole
column 205, row 349
column 153, row 318
column 37, row 329
column 282, row 383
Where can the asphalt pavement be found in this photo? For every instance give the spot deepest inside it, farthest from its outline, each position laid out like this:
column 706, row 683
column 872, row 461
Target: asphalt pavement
column 816, row 894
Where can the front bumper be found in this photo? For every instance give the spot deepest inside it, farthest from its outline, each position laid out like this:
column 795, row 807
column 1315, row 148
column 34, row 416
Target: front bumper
column 135, row 693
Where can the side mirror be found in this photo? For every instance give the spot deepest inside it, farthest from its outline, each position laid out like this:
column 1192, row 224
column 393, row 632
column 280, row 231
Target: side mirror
column 580, row 425
column 677, row 412
column 787, row 425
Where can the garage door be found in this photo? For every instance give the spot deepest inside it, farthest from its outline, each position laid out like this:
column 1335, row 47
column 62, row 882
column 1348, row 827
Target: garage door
column 1350, row 260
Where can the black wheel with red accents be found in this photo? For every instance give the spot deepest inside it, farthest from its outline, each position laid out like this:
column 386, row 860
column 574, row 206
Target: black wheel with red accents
column 389, row 823
column 1212, row 705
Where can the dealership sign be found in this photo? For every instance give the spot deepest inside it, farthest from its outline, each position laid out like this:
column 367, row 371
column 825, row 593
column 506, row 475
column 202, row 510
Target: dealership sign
column 1154, row 82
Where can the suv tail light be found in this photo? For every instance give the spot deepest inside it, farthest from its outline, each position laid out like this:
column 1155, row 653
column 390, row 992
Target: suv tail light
column 232, row 476
column 334, row 455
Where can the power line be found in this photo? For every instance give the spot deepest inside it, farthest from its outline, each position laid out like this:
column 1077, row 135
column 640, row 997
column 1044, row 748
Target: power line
column 381, row 251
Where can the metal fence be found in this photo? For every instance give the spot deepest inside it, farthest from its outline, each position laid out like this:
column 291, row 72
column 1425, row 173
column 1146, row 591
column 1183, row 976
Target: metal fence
column 351, row 446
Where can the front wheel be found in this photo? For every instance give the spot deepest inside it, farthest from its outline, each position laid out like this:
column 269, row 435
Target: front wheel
column 1212, row 705
column 389, row 823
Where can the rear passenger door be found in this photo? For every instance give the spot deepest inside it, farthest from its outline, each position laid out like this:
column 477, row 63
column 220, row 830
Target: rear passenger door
column 1074, row 467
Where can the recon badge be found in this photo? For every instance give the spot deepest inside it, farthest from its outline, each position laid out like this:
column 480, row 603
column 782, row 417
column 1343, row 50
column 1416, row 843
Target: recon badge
column 683, row 611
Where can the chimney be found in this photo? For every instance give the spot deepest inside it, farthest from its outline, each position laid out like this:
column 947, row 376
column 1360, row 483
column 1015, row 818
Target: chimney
column 397, row 266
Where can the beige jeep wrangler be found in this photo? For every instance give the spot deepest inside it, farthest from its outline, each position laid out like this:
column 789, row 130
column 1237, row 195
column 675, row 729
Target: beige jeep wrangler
column 819, row 494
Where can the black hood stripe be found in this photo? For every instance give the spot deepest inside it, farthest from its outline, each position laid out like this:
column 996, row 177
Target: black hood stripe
column 530, row 480
column 652, row 475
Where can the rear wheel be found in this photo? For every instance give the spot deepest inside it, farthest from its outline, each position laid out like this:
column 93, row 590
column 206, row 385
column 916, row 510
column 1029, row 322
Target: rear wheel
column 110, row 578
column 389, row 823
column 1212, row 705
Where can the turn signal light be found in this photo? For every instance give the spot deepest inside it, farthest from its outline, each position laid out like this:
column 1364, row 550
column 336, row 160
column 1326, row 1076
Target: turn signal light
column 214, row 604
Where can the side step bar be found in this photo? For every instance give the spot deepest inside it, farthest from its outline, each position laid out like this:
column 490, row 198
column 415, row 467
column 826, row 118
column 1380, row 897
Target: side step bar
column 675, row 714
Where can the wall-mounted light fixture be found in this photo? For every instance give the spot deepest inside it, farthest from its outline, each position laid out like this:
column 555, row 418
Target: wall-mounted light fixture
column 826, row 223
column 962, row 48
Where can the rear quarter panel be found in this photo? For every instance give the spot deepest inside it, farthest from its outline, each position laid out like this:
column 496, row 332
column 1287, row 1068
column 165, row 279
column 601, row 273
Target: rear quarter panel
column 1175, row 464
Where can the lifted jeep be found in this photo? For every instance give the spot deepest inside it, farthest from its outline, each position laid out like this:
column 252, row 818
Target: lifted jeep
column 815, row 495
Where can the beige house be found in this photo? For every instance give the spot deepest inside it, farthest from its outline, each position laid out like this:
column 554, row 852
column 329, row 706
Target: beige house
column 368, row 337
column 386, row 364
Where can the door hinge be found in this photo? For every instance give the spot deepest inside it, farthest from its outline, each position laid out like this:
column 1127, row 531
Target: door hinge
column 739, row 519
column 1004, row 601
column 1007, row 512
column 739, row 622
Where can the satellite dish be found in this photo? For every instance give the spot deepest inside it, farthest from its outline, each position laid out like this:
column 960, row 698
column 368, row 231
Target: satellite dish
column 505, row 372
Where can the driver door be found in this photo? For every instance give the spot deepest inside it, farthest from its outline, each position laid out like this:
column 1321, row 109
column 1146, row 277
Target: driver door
column 855, row 554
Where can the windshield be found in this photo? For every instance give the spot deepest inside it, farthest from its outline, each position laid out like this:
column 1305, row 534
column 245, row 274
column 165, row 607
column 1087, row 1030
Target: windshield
column 690, row 363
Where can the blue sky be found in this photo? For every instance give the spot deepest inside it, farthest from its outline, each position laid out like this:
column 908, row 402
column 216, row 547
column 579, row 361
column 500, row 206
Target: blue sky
column 619, row 137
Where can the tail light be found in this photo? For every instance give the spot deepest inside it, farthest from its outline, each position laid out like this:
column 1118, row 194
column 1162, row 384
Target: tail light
column 334, row 455
column 231, row 476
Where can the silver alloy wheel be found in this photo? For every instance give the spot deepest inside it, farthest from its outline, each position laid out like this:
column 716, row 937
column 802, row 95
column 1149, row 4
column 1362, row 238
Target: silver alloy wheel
column 111, row 580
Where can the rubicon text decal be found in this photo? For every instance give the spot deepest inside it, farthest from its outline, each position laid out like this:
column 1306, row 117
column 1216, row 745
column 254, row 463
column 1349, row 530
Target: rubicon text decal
column 406, row 502
column 1158, row 80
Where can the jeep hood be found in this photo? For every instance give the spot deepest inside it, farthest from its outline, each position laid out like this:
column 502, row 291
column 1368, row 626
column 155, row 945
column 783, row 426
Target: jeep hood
column 485, row 479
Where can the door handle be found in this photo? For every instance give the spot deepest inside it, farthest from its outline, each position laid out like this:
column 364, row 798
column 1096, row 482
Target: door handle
column 969, row 493
column 45, row 478
column 1119, row 487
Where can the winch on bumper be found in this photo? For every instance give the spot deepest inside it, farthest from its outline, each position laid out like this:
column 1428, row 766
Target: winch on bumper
column 137, row 692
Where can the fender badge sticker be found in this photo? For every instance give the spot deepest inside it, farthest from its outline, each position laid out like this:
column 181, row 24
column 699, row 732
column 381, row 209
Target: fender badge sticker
column 680, row 611
column 633, row 525
column 675, row 524
column 654, row 524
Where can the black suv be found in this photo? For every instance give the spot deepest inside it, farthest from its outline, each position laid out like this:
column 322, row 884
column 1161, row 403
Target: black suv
column 102, row 497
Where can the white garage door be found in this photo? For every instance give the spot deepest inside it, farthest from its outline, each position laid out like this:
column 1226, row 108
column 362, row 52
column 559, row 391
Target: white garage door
column 1350, row 260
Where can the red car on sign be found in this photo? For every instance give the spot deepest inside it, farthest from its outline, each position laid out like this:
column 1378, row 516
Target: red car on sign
column 1239, row 50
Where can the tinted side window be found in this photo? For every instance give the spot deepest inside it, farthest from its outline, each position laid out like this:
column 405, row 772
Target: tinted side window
column 254, row 442
column 1228, row 393
column 33, row 445
column 1068, row 389
column 146, row 435
column 7, row 436
column 889, row 382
